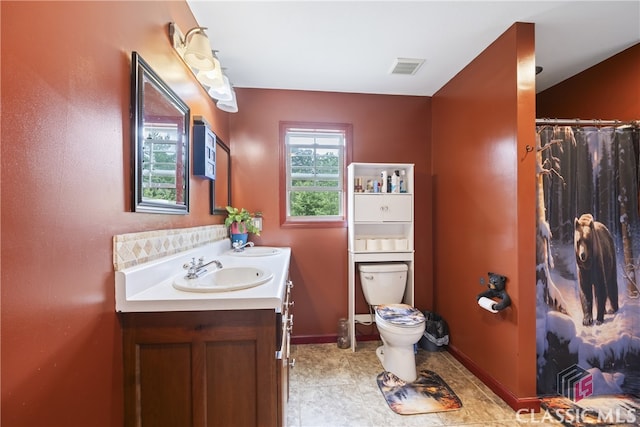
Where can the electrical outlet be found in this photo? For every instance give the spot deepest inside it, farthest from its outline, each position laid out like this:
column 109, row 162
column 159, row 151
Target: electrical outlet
column 482, row 281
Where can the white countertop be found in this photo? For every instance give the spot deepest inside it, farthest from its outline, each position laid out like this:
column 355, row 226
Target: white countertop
column 149, row 287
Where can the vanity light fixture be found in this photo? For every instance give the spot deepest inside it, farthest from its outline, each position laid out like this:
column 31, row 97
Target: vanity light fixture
column 193, row 47
column 195, row 50
column 212, row 78
column 198, row 51
column 222, row 93
column 230, row 106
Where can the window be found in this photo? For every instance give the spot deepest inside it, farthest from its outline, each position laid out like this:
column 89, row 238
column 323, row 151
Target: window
column 314, row 165
column 161, row 150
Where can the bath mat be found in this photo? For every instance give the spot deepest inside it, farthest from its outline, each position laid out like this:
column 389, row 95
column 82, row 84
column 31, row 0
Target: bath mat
column 604, row 410
column 428, row 393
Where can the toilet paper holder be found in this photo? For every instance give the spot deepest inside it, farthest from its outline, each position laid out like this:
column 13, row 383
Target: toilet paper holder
column 496, row 285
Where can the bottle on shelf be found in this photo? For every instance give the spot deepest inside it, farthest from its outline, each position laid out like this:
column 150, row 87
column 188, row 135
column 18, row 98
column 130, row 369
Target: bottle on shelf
column 395, row 182
column 384, row 188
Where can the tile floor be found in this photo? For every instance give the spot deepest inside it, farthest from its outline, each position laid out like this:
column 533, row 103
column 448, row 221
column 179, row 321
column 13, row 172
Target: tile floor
column 337, row 388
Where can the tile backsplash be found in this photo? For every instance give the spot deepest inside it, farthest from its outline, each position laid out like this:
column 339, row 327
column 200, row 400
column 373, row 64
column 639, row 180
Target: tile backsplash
column 137, row 248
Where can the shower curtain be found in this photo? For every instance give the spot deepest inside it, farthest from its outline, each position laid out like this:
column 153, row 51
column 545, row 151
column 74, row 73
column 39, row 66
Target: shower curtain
column 588, row 259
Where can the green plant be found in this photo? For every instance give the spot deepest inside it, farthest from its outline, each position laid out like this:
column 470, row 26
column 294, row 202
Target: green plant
column 243, row 218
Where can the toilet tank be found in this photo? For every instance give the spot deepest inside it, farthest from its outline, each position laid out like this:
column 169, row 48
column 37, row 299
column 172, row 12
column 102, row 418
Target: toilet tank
column 383, row 283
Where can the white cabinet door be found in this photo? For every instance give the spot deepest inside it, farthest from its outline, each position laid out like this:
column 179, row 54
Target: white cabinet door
column 383, row 208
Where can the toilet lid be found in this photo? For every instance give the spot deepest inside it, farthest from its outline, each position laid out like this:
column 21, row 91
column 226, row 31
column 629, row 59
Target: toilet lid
column 400, row 314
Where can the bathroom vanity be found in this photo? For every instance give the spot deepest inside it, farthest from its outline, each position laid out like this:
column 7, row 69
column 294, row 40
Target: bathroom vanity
column 205, row 358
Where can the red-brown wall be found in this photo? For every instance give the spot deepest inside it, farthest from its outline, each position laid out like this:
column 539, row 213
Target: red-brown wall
column 388, row 129
column 66, row 189
column 65, row 193
column 609, row 90
column 484, row 209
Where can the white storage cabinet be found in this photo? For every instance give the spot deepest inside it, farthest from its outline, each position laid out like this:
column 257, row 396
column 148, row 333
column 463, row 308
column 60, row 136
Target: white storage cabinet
column 380, row 228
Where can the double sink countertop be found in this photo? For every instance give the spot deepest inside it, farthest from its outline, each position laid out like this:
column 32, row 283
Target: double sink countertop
column 149, row 287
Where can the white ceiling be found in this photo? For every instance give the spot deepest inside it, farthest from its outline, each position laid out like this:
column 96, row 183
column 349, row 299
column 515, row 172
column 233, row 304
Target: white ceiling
column 350, row 46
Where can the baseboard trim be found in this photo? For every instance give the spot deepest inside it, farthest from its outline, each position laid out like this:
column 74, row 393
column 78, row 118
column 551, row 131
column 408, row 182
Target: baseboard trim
column 314, row 339
column 325, row 339
column 531, row 404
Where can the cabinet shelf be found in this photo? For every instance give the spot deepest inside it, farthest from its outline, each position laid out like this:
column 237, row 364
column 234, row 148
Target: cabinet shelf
column 371, row 193
column 382, row 252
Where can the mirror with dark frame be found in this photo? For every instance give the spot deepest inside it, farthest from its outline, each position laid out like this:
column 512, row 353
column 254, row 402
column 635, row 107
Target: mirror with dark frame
column 160, row 123
column 221, row 187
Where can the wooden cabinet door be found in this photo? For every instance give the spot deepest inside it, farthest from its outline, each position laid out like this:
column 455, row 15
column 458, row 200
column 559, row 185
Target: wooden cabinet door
column 200, row 369
column 165, row 377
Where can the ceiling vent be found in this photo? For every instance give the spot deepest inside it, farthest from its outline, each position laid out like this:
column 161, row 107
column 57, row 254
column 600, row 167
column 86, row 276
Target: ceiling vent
column 406, row 66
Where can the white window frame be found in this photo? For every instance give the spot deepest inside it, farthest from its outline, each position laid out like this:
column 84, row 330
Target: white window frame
column 318, row 132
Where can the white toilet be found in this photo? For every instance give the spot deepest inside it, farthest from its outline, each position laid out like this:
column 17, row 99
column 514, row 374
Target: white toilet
column 400, row 325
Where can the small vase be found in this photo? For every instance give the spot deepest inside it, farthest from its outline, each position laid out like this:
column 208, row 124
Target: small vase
column 238, row 234
column 234, row 228
column 242, row 238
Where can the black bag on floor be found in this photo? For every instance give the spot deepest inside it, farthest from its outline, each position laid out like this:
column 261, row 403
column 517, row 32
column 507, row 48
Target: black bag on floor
column 436, row 332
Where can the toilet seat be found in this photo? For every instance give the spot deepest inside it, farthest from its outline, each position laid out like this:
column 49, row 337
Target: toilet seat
column 399, row 316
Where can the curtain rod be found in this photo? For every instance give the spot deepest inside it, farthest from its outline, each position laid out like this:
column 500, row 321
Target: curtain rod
column 573, row 122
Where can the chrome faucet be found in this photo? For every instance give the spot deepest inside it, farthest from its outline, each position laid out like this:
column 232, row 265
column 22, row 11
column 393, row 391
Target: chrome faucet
column 197, row 269
column 238, row 246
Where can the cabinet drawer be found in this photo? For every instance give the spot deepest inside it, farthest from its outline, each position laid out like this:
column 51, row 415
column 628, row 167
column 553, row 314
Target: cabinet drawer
column 383, row 208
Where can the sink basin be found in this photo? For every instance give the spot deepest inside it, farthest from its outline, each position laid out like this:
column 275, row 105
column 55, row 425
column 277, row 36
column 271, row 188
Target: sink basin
column 250, row 251
column 225, row 279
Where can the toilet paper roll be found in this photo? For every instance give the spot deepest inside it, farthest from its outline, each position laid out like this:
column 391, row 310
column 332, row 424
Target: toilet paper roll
column 373, row 245
column 487, row 304
column 401, row 244
column 387, row 244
